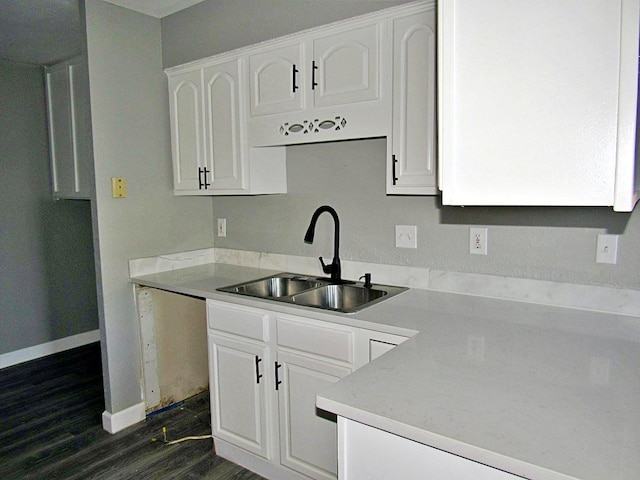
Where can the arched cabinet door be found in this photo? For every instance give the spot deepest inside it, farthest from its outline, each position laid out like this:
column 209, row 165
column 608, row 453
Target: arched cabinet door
column 224, row 148
column 412, row 157
column 276, row 78
column 346, row 67
column 187, row 146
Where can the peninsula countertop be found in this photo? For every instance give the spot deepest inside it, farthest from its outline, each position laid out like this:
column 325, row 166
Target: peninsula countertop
column 539, row 391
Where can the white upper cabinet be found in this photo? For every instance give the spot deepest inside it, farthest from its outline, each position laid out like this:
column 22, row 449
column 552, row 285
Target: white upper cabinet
column 224, row 155
column 412, row 146
column 346, row 67
column 187, row 132
column 208, row 133
column 320, row 85
column 276, row 76
column 538, row 102
column 69, row 118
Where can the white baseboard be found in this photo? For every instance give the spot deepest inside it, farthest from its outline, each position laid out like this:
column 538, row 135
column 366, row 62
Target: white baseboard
column 114, row 422
column 49, row 348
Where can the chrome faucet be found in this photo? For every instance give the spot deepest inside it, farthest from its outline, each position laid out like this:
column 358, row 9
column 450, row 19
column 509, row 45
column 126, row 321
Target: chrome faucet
column 334, row 268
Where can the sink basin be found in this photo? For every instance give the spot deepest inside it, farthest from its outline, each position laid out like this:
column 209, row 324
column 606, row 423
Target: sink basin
column 344, row 298
column 314, row 292
column 274, row 287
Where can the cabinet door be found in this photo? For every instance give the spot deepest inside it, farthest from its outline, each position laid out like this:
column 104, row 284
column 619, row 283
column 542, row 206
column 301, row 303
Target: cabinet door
column 187, row 142
column 60, row 142
column 346, row 67
column 308, row 436
column 531, row 96
column 277, row 80
column 81, row 129
column 224, row 122
column 238, row 377
column 413, row 143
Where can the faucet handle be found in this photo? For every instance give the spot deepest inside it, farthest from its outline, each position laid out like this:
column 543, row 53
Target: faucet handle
column 325, row 268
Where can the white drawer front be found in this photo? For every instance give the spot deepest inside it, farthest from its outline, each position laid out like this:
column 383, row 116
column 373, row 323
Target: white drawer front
column 311, row 337
column 244, row 321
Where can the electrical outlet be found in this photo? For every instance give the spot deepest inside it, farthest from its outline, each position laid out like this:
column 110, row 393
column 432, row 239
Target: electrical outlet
column 478, row 241
column 607, row 249
column 406, row 236
column 118, row 187
column 222, row 227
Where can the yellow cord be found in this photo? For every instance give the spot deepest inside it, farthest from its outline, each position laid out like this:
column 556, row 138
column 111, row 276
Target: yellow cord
column 173, row 442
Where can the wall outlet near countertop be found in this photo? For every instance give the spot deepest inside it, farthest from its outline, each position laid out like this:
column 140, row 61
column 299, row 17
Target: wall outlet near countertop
column 478, row 240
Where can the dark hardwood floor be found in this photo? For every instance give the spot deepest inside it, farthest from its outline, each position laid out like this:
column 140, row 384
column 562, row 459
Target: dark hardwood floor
column 51, row 428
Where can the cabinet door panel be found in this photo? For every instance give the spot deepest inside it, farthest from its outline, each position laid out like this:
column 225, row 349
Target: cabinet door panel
column 308, row 436
column 277, row 79
column 238, row 401
column 529, row 101
column 59, row 114
column 186, row 129
column 222, row 109
column 348, row 66
column 81, row 129
column 414, row 101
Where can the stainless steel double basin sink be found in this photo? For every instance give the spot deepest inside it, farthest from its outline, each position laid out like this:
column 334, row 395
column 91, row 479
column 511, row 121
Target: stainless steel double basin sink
column 347, row 297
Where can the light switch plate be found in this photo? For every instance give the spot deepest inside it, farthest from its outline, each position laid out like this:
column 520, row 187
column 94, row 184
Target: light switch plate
column 222, row 227
column 406, row 236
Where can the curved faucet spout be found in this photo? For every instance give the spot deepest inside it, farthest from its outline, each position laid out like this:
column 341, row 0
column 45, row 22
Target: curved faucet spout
column 334, row 268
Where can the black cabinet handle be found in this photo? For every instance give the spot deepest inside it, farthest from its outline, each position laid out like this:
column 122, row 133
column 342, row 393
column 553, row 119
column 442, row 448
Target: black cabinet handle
column 277, row 366
column 202, row 178
column 393, row 169
column 295, row 78
column 314, row 67
column 258, row 374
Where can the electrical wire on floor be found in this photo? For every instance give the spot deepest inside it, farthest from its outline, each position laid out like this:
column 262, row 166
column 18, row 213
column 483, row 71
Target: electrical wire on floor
column 180, row 440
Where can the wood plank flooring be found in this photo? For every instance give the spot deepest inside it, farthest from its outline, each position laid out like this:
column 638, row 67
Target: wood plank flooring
column 51, row 428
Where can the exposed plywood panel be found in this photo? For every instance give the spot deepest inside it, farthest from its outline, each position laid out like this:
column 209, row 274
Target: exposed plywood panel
column 174, row 335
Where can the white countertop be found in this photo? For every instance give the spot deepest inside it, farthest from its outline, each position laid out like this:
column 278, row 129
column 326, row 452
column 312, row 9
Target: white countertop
column 539, row 391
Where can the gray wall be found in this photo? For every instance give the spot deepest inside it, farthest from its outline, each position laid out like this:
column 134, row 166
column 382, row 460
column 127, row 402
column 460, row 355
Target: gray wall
column 130, row 121
column 47, row 277
column 216, row 26
column 541, row 243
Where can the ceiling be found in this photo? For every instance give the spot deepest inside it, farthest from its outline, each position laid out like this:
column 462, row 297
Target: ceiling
column 44, row 32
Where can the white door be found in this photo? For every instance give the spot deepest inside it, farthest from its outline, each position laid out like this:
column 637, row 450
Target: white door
column 238, row 375
column 308, row 436
column 413, row 170
column 346, row 67
column 223, row 126
column 187, row 142
column 277, row 80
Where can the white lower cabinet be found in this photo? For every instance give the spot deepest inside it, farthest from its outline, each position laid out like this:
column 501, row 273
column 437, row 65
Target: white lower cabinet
column 238, row 400
column 265, row 371
column 308, row 437
column 367, row 453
